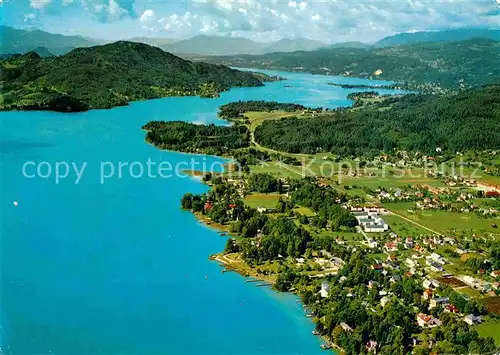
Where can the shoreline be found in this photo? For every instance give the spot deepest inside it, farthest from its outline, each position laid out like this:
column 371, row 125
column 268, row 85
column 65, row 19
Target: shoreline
column 233, row 262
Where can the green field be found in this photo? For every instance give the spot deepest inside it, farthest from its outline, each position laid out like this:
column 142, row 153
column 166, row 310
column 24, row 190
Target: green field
column 444, row 221
column 490, row 328
column 281, row 170
column 262, row 200
column 404, row 228
column 305, row 211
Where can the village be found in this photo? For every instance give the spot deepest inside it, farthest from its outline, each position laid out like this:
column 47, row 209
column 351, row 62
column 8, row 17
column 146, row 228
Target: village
column 449, row 267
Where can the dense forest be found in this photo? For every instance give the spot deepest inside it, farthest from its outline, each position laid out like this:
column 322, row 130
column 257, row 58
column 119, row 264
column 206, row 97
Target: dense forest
column 107, row 76
column 448, row 65
column 468, row 120
column 236, row 109
column 193, row 138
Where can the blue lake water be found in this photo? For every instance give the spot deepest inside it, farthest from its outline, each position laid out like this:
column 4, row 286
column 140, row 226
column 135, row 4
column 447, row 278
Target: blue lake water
column 118, row 268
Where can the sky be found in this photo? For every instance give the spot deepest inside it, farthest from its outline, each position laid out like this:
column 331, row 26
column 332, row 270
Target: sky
column 330, row 21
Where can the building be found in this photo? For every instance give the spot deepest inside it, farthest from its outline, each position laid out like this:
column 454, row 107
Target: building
column 372, row 243
column 428, row 294
column 384, row 301
column 438, row 301
column 430, row 283
column 451, row 308
column 472, row 319
column 438, row 258
column 369, row 219
column 427, row 321
column 436, row 267
column 372, row 284
column 391, row 246
column 495, row 273
column 325, row 289
column 411, row 262
column 371, row 346
column 395, row 278
column 346, row 327
column 377, row 267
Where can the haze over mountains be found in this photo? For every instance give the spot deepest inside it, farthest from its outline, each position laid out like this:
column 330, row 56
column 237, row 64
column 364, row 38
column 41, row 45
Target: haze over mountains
column 21, row 41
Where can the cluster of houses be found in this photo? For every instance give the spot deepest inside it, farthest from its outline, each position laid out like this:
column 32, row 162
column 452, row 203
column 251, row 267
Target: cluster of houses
column 369, row 218
column 435, row 262
column 480, row 284
column 430, row 294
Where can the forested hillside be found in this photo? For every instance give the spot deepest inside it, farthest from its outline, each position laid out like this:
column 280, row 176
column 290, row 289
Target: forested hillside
column 107, row 76
column 449, row 65
column 236, row 109
column 193, row 138
column 469, row 120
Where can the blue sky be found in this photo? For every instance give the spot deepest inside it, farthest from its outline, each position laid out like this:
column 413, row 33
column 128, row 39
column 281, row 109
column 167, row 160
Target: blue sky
column 260, row 20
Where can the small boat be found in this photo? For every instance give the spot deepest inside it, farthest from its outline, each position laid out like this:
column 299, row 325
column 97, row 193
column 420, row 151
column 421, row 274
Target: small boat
column 315, row 332
column 326, row 346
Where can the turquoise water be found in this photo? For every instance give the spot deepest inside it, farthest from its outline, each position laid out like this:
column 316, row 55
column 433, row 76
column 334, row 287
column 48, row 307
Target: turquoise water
column 118, row 268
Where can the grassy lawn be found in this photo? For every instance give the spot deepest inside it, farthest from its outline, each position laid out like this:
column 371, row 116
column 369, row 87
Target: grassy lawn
column 257, row 118
column 444, row 221
column 278, row 169
column 490, row 328
column 404, row 228
column 262, row 200
column 305, row 211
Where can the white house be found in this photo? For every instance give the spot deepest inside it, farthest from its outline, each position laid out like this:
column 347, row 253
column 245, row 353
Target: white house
column 346, row 327
column 384, row 301
column 325, row 289
column 472, row 319
column 438, row 301
column 428, row 321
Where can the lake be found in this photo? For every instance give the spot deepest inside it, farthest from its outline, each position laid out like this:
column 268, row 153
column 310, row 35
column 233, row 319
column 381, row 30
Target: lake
column 116, row 267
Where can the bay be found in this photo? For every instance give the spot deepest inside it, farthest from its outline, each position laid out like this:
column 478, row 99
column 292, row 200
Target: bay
column 117, row 267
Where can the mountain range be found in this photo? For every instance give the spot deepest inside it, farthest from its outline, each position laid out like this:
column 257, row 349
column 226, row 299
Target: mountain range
column 459, row 34
column 217, row 45
column 18, row 41
column 421, row 66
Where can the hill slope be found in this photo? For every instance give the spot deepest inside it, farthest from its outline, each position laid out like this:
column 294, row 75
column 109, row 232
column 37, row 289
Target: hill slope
column 448, row 64
column 107, row 76
column 17, row 41
column 421, row 123
column 438, row 36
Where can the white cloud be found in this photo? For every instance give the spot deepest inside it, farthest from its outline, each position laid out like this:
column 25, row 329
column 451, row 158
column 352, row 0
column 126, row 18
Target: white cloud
column 147, row 16
column 39, row 4
column 333, row 20
column 113, row 8
column 29, row 17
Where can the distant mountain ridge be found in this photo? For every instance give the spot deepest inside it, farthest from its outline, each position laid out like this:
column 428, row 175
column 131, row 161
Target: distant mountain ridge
column 422, row 66
column 17, row 41
column 437, row 36
column 218, row 45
